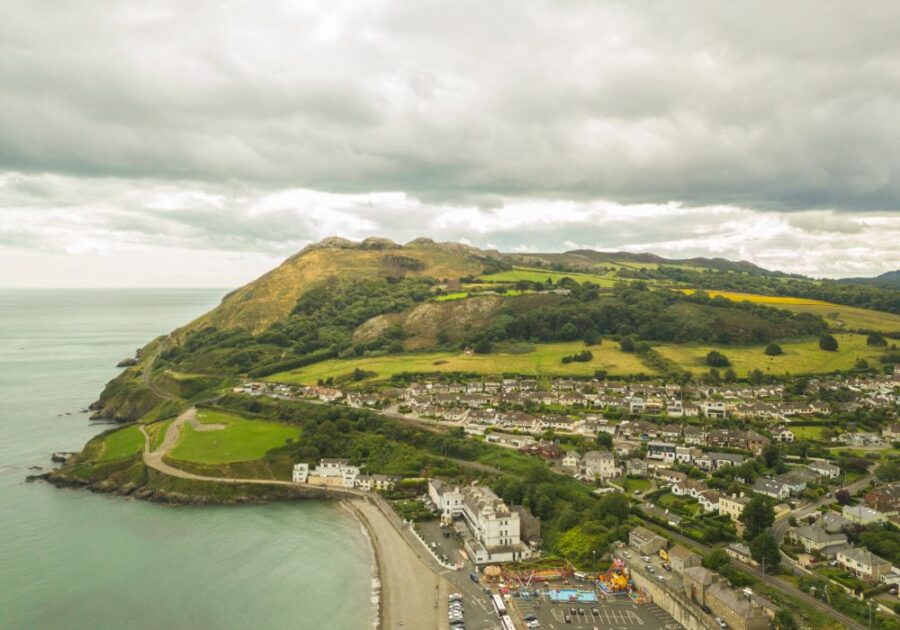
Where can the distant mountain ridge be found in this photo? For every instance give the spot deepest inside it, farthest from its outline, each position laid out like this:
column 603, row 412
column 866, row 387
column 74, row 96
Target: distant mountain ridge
column 888, row 280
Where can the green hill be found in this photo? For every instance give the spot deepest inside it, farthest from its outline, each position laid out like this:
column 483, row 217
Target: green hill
column 338, row 303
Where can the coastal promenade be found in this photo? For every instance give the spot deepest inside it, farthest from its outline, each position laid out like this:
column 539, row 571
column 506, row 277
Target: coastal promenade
column 413, row 593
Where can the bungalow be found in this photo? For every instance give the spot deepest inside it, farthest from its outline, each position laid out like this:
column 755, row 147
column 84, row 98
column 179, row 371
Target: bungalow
column 815, row 537
column 741, row 552
column 861, row 515
column 829, row 471
column 771, row 488
column 863, row 563
column 670, row 476
column 509, row 440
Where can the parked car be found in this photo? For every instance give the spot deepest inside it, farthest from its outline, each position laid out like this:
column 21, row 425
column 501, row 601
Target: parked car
column 455, row 597
column 568, row 619
column 645, row 558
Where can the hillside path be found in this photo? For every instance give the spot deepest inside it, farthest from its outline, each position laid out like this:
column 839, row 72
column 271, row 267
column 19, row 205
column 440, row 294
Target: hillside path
column 413, row 592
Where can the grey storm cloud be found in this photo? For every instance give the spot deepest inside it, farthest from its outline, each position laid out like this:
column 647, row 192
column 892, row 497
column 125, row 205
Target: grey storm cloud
column 771, row 106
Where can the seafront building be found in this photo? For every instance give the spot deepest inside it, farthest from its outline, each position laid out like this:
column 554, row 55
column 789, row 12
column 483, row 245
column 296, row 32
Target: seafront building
column 495, row 531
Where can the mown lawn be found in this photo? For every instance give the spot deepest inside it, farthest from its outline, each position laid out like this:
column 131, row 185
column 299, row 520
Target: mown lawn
column 633, row 484
column 807, row 433
column 800, row 357
column 546, row 359
column 241, row 440
column 122, row 443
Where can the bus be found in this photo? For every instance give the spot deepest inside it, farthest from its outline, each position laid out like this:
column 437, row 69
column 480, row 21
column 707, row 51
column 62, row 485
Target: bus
column 506, row 623
column 499, row 605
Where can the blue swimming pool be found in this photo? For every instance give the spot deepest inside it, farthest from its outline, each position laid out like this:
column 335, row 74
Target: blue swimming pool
column 572, row 595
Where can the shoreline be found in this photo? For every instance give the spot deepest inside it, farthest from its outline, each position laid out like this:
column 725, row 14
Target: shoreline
column 377, row 580
column 411, row 593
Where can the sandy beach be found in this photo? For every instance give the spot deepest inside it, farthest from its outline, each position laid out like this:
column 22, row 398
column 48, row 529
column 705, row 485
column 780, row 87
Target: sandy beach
column 412, row 594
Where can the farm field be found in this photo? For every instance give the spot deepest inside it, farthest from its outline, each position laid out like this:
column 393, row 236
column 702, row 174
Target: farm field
column 838, row 316
column 541, row 275
column 546, row 360
column 800, row 357
column 240, row 440
column 462, row 295
column 122, row 443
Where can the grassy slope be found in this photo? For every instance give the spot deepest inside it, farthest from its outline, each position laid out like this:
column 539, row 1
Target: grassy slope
column 799, row 356
column 837, row 315
column 242, row 440
column 271, row 297
column 546, row 359
column 120, row 444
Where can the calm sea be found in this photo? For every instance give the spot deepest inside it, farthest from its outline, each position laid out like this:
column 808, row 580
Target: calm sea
column 72, row 559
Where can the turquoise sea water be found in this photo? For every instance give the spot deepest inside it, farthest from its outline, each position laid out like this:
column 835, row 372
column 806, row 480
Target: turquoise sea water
column 73, row 559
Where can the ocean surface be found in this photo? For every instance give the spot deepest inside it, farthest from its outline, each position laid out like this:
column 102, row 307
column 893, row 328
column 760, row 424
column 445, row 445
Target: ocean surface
column 73, row 559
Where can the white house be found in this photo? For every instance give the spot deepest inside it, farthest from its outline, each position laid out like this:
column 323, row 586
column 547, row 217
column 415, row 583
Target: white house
column 601, row 465
column 572, row 460
column 301, row 473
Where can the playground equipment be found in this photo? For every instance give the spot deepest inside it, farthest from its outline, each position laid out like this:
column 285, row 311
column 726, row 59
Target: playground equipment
column 525, row 575
column 617, row 580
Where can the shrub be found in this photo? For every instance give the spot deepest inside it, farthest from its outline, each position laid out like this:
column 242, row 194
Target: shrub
column 773, row 349
column 828, row 342
column 717, row 359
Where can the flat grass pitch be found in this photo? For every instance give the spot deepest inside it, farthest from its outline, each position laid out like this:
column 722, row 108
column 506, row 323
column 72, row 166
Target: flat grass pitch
column 241, row 440
column 800, row 357
column 545, row 360
column 838, row 316
column 121, row 444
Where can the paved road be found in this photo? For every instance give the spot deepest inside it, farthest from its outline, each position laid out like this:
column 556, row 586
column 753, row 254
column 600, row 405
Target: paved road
column 414, row 595
column 781, row 525
column 775, row 583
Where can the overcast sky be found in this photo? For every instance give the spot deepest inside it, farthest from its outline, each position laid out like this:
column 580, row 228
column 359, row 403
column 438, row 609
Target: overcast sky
column 200, row 143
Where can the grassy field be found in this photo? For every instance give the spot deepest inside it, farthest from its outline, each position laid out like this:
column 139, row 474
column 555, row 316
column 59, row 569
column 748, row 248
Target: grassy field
column 122, row 443
column 800, row 357
column 633, row 484
column 546, row 360
column 837, row 315
column 541, row 275
column 807, row 433
column 240, row 440
column 462, row 295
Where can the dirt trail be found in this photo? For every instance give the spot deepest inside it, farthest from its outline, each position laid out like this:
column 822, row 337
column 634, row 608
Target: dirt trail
column 413, row 595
